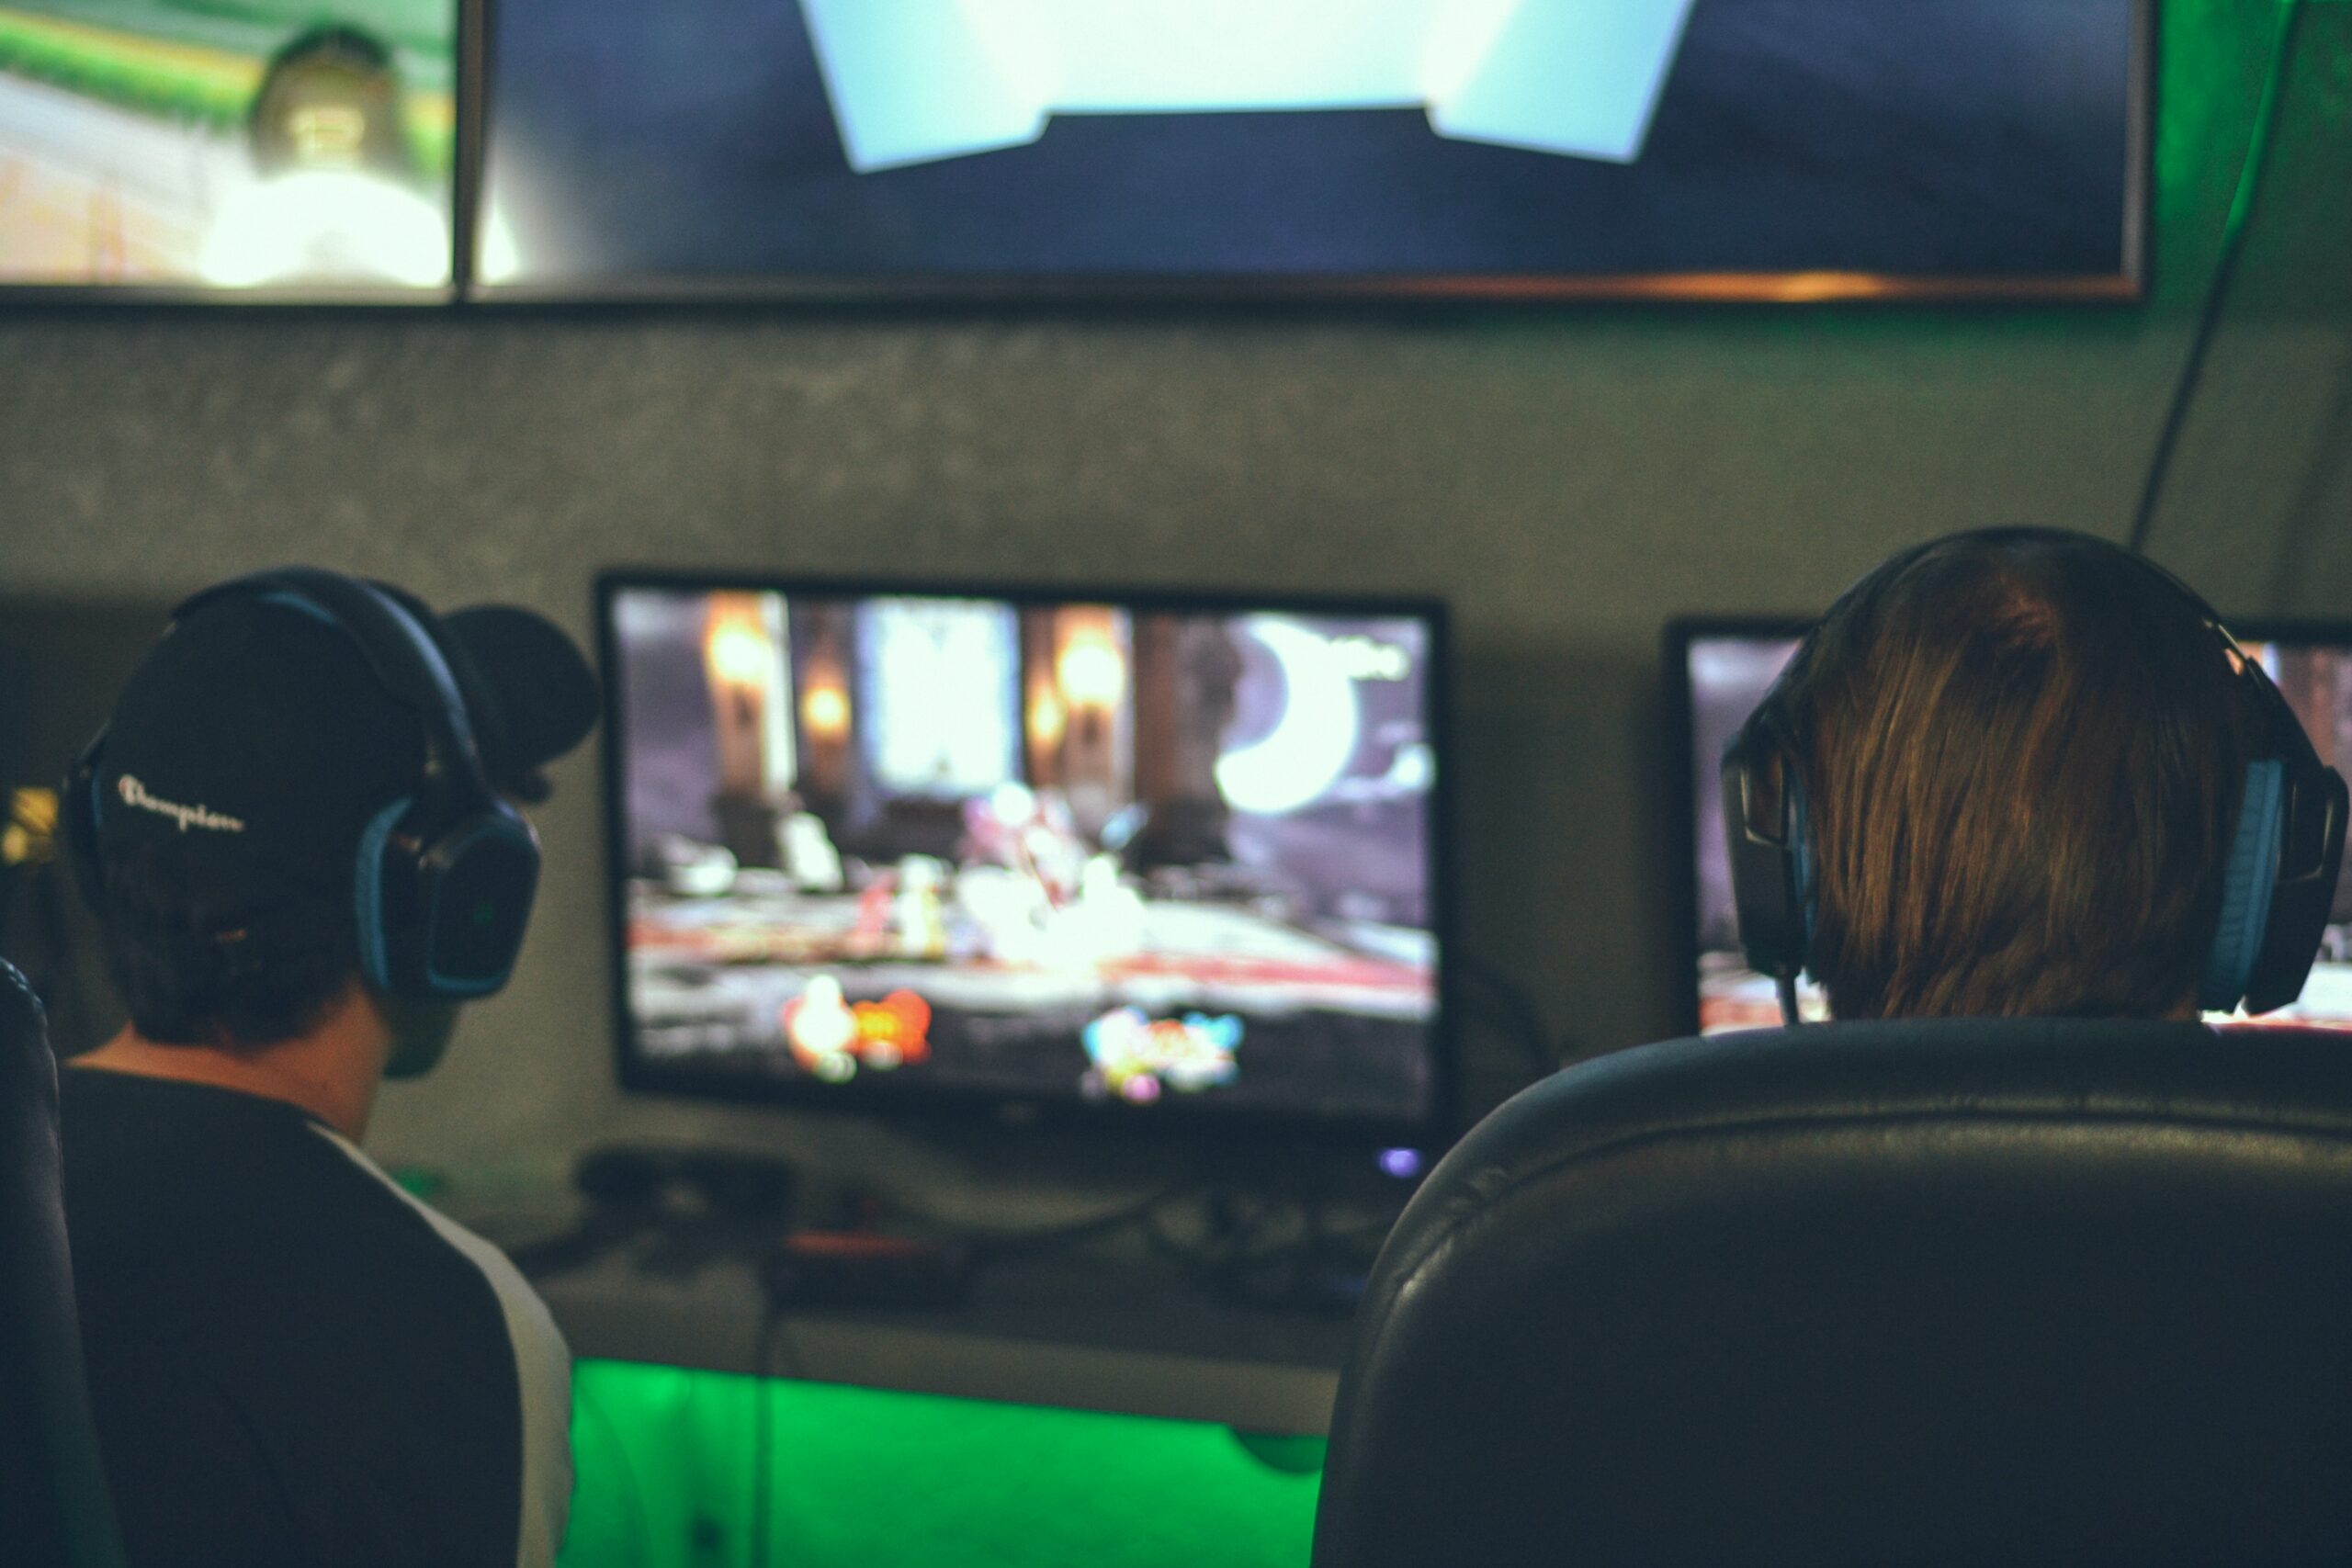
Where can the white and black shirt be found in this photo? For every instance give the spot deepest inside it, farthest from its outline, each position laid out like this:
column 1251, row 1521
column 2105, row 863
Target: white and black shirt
column 291, row 1361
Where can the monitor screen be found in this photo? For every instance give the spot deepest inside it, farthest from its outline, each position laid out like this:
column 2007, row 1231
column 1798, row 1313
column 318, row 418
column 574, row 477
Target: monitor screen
column 879, row 847
column 1725, row 669
column 1800, row 149
column 228, row 145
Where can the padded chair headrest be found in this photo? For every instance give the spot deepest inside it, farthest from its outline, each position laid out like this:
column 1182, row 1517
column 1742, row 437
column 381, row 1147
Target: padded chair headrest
column 2017, row 1291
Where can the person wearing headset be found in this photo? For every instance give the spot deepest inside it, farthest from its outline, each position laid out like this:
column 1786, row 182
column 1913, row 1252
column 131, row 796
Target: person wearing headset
column 297, row 832
column 2028, row 773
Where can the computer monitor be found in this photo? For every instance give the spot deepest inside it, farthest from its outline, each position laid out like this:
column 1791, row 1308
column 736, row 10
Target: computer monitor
column 1717, row 672
column 1663, row 149
column 1164, row 858
column 190, row 149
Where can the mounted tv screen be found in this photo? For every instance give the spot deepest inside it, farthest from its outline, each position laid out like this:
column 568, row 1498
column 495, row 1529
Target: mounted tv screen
column 1788, row 149
column 1722, row 669
column 1162, row 858
column 238, row 145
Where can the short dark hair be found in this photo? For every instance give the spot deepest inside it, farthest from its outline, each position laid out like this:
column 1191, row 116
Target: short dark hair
column 2025, row 752
column 337, row 66
column 203, row 962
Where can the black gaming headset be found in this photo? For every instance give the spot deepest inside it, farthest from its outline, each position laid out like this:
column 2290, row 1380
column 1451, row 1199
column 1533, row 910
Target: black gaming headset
column 445, row 875
column 2286, row 851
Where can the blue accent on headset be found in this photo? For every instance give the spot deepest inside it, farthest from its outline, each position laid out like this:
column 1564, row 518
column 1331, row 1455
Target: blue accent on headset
column 286, row 598
column 367, row 893
column 2246, row 887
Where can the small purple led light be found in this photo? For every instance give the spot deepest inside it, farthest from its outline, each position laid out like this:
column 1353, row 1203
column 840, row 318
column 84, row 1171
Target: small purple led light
column 1402, row 1163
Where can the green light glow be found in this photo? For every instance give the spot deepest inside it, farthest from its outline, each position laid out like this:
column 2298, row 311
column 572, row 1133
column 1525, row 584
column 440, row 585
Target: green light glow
column 867, row 1478
column 2213, row 60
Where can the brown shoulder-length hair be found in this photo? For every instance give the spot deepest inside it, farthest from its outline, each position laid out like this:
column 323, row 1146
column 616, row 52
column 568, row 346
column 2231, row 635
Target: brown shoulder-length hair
column 2024, row 751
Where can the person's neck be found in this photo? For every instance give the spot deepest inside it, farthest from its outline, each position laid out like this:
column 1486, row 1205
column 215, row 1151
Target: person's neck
column 330, row 1071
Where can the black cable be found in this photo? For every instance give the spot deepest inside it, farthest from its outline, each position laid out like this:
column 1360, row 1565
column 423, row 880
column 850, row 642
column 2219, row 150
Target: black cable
column 598, row 1234
column 1224, row 1249
column 772, row 1331
column 2265, row 121
column 1278, row 1253
column 1791, row 1015
column 639, row 1510
column 988, row 1246
column 1513, row 1009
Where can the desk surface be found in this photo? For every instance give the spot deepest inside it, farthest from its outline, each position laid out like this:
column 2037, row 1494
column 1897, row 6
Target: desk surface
column 1072, row 1330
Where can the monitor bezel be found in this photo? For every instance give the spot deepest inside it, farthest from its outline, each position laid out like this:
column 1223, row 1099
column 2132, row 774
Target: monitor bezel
column 917, row 1103
column 1681, row 631
column 2127, row 284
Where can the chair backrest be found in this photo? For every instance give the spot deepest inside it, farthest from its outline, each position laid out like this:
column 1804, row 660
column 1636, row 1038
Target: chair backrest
column 54, row 1509
column 2032, row 1291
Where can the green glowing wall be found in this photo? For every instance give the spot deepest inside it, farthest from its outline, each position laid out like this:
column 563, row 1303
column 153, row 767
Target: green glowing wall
column 867, row 1478
column 2212, row 57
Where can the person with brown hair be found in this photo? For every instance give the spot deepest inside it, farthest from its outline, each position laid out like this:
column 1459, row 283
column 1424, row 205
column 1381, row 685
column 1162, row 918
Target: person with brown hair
column 2027, row 772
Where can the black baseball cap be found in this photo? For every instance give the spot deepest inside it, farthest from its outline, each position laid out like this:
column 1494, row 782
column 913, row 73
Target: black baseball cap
column 256, row 742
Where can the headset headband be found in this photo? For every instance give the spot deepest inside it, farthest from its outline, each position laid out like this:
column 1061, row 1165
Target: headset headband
column 399, row 651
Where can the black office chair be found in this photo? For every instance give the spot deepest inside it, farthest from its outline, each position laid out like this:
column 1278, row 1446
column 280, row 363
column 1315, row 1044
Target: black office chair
column 54, row 1509
column 1961, row 1292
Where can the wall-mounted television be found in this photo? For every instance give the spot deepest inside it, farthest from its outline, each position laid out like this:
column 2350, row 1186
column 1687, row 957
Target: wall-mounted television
column 228, row 149
column 1172, row 858
column 1674, row 148
column 1718, row 669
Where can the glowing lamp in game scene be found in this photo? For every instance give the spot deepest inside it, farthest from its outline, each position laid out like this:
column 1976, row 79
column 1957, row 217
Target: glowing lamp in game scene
column 1048, row 720
column 738, row 652
column 912, row 81
column 743, row 651
column 1093, row 673
column 833, row 1037
column 825, row 710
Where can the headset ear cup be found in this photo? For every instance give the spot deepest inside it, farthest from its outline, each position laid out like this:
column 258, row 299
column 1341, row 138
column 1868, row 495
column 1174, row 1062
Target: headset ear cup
column 475, row 890
column 1803, row 892
column 1766, row 873
column 2302, row 903
column 380, row 958
column 2247, row 884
